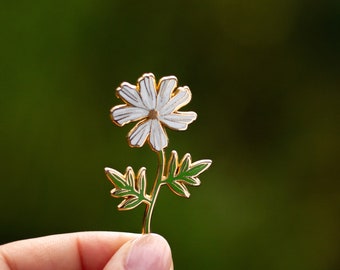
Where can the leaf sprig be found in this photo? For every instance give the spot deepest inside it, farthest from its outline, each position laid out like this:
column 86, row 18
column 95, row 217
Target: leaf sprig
column 129, row 187
column 184, row 172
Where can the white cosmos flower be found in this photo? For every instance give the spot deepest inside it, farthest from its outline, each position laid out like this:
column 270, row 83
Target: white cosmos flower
column 154, row 106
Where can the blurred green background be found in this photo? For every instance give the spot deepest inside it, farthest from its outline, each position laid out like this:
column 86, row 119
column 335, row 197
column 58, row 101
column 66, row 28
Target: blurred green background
column 265, row 82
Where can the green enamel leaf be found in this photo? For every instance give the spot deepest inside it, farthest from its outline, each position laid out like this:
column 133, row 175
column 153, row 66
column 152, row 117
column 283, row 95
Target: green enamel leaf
column 173, row 163
column 129, row 203
column 141, row 184
column 129, row 187
column 185, row 172
column 198, row 167
column 193, row 181
column 120, row 192
column 116, row 178
column 185, row 163
column 179, row 189
column 130, row 177
column 189, row 173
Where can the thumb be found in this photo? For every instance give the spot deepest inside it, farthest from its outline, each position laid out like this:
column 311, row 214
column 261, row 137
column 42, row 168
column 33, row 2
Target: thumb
column 149, row 251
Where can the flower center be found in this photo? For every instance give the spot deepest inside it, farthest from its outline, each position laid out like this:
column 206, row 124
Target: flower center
column 153, row 114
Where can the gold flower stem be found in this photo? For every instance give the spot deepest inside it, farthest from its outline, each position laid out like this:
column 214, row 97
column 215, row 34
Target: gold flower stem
column 154, row 193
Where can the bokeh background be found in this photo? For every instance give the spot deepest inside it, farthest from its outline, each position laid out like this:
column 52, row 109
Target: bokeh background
column 265, row 81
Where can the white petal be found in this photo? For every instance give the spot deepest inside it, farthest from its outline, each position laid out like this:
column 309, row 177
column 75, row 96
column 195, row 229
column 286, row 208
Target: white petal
column 129, row 93
column 181, row 98
column 178, row 120
column 138, row 135
column 147, row 88
column 158, row 138
column 166, row 86
column 123, row 114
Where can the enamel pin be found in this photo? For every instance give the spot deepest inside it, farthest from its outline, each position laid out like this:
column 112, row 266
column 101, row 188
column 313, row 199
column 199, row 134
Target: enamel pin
column 154, row 107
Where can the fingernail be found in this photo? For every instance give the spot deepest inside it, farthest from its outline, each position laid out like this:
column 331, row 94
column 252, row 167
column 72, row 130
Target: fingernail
column 150, row 251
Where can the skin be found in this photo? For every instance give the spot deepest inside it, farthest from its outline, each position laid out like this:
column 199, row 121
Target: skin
column 88, row 250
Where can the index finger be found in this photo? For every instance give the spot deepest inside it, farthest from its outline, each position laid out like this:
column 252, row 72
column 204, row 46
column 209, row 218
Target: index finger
column 81, row 250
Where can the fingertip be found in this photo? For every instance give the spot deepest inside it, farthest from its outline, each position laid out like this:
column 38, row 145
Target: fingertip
column 81, row 250
column 149, row 251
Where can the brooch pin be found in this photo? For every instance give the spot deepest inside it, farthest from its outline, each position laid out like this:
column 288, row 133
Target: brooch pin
column 154, row 107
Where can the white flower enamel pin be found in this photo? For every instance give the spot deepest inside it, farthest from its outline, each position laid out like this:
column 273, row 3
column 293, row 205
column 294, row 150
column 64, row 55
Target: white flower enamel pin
column 154, row 107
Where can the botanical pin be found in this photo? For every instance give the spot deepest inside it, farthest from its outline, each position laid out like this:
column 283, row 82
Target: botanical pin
column 154, row 107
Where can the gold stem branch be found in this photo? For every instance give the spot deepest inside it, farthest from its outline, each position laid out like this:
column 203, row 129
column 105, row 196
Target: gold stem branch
column 154, row 193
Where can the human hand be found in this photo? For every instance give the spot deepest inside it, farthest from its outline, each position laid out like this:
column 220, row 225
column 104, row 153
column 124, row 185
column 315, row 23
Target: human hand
column 88, row 250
